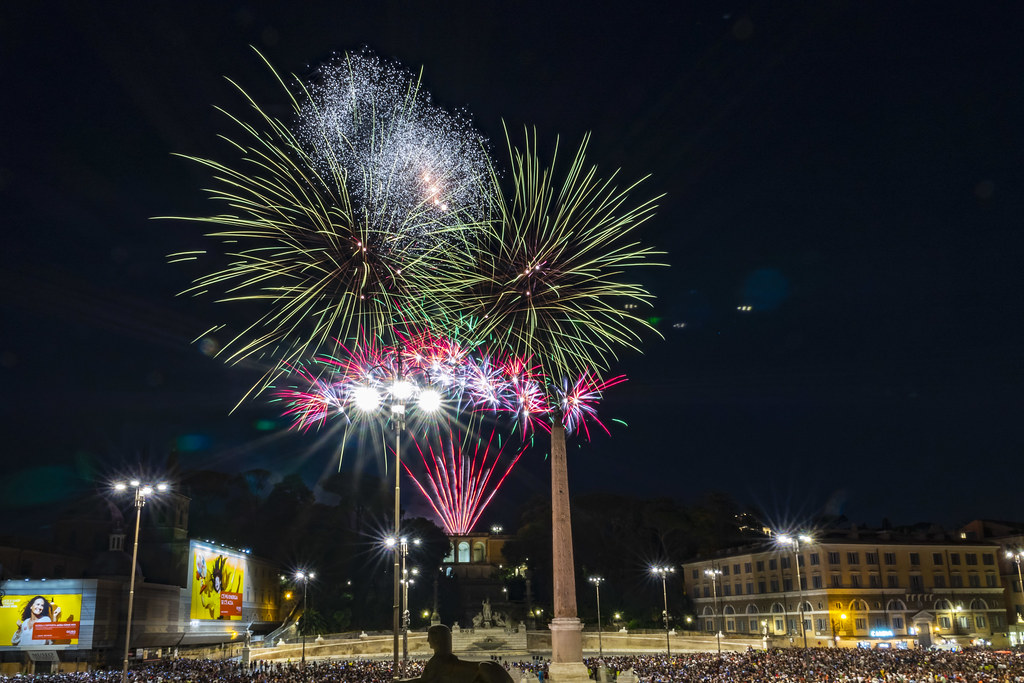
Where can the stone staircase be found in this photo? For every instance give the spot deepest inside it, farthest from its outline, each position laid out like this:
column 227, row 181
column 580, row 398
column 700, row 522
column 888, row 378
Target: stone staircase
column 489, row 641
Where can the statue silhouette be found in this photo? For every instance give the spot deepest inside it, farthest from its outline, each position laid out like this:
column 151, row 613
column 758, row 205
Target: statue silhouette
column 444, row 667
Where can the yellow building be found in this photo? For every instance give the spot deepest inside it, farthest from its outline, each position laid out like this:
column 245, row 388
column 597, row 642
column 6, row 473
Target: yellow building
column 856, row 588
column 1010, row 538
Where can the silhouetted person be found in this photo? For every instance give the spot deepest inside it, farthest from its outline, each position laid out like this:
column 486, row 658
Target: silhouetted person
column 444, row 667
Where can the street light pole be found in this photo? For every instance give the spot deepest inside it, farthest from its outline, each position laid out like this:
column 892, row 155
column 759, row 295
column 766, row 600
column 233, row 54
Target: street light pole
column 404, row 543
column 141, row 491
column 1017, row 556
column 794, row 542
column 596, row 580
column 714, row 574
column 304, row 577
column 398, row 412
column 368, row 400
column 663, row 572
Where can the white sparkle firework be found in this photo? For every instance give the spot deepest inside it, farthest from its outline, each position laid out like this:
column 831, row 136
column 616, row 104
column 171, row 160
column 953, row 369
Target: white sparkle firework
column 413, row 171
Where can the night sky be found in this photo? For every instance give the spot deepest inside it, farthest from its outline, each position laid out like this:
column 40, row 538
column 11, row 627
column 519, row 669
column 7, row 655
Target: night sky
column 852, row 171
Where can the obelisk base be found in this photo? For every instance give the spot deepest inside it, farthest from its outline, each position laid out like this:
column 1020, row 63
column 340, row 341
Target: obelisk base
column 567, row 652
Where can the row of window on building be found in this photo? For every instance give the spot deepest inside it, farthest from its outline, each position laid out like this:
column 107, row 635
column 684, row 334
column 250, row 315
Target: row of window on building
column 860, row 624
column 817, row 581
column 853, row 558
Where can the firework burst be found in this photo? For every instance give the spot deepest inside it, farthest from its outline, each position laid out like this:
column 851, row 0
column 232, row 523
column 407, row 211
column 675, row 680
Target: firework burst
column 578, row 401
column 355, row 381
column 458, row 484
column 415, row 171
column 551, row 282
column 350, row 221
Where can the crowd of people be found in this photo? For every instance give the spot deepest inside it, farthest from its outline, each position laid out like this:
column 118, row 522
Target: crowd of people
column 825, row 665
column 754, row 666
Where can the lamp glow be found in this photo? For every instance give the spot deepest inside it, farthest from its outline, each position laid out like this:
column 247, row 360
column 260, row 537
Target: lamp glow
column 367, row 399
column 430, row 400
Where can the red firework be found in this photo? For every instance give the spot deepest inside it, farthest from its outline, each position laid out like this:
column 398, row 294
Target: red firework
column 459, row 485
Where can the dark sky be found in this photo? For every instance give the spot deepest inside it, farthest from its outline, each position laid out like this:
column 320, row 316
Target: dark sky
column 854, row 171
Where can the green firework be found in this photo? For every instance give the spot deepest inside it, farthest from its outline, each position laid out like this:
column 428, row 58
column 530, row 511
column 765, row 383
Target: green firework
column 553, row 275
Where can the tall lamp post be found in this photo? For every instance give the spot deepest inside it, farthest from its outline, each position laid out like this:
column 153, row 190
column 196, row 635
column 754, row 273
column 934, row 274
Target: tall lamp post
column 596, row 580
column 304, row 577
column 403, row 544
column 1017, row 556
column 142, row 491
column 663, row 573
column 794, row 543
column 713, row 574
column 368, row 400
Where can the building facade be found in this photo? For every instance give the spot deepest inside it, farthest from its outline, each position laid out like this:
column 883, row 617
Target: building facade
column 187, row 592
column 1009, row 536
column 866, row 588
column 476, row 563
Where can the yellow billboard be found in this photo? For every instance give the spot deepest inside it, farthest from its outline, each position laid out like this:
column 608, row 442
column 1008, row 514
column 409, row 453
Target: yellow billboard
column 217, row 582
column 29, row 621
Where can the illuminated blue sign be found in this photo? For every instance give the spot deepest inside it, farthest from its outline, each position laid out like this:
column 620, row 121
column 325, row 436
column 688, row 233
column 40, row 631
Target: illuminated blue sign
column 881, row 634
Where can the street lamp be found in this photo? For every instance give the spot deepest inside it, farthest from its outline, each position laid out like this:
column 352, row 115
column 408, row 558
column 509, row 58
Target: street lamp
column 713, row 574
column 142, row 491
column 403, row 549
column 1017, row 556
column 794, row 542
column 663, row 573
column 304, row 577
column 368, row 400
column 596, row 580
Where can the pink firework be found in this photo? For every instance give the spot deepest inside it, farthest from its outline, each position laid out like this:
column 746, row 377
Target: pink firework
column 314, row 403
column 468, row 381
column 525, row 397
column 578, row 401
column 459, row 486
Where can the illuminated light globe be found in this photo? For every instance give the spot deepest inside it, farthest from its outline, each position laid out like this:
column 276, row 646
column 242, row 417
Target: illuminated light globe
column 430, row 400
column 366, row 399
column 403, row 389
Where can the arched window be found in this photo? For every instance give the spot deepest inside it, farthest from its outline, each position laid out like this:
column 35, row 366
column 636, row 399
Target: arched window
column 729, row 610
column 943, row 605
column 858, row 605
column 896, row 606
column 479, row 552
column 752, row 609
column 807, row 607
column 463, row 551
column 777, row 608
column 978, row 603
column 708, row 612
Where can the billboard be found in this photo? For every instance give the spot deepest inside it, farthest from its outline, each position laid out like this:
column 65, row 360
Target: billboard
column 32, row 621
column 217, row 581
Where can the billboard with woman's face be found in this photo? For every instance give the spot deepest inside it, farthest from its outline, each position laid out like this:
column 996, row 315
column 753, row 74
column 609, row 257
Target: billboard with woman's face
column 217, row 580
column 33, row 621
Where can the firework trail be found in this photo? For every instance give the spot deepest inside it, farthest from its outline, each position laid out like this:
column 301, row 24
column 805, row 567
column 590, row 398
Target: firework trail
column 314, row 403
column 354, row 217
column 551, row 282
column 459, row 486
column 578, row 400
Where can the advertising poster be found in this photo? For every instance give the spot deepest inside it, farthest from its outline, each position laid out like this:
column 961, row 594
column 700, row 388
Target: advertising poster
column 31, row 621
column 217, row 581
